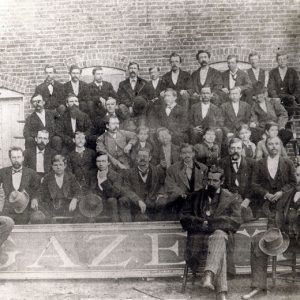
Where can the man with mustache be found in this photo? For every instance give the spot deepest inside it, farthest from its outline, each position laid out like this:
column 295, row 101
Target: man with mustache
column 274, row 177
column 77, row 87
column 238, row 171
column 131, row 87
column 71, row 121
column 52, row 91
column 211, row 216
column 206, row 76
column 41, row 119
column 23, row 181
column 146, row 182
column 183, row 178
column 179, row 80
column 38, row 158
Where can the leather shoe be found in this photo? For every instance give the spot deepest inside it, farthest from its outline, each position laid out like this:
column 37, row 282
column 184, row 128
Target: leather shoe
column 208, row 280
column 221, row 296
column 253, row 293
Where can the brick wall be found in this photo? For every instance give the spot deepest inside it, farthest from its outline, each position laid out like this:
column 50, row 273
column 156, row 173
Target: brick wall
column 113, row 32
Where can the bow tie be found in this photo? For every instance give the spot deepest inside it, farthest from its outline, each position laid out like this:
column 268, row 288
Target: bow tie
column 14, row 171
column 233, row 76
column 50, row 82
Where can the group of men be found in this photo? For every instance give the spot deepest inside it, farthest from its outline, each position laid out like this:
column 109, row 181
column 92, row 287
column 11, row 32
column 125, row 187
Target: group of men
column 177, row 147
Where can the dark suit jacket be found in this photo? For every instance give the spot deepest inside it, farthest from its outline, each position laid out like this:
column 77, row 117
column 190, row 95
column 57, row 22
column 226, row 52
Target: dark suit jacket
column 212, row 119
column 33, row 124
column 275, row 113
column 285, row 179
column 290, row 85
column 30, row 158
column 64, row 126
column 226, row 217
column 213, row 80
column 149, row 92
column 183, row 82
column 29, row 182
column 233, row 122
column 81, row 166
column 106, row 91
column 160, row 155
column 244, row 176
column 126, row 94
column 176, row 182
column 155, row 187
column 261, row 82
column 242, row 80
column 83, row 90
column 56, row 99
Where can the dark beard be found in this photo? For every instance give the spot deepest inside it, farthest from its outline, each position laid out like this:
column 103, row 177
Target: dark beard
column 211, row 191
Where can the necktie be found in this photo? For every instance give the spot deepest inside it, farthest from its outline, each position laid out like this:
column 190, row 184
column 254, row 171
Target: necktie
column 235, row 166
column 14, row 171
column 233, row 76
column 168, row 110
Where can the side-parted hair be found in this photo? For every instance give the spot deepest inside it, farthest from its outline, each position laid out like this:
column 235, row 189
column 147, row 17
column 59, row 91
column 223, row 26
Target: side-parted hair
column 281, row 53
column 154, row 67
column 43, row 131
column 133, row 63
column 79, row 133
column 217, row 170
column 161, row 129
column 230, row 56
column 244, row 126
column 186, row 145
column 15, row 148
column 174, row 54
column 254, row 53
column 174, row 93
column 70, row 95
column 270, row 124
column 233, row 141
column 102, row 153
column 35, row 95
column 75, row 67
column 49, row 67
column 203, row 51
column 98, row 68
column 58, row 158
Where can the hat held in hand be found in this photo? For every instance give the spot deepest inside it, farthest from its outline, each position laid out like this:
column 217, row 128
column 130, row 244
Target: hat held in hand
column 273, row 242
column 90, row 205
column 19, row 201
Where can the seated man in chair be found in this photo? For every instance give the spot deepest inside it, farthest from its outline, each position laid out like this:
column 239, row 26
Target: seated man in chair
column 211, row 217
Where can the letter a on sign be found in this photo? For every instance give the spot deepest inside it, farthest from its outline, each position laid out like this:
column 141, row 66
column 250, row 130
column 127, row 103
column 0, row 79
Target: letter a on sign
column 61, row 254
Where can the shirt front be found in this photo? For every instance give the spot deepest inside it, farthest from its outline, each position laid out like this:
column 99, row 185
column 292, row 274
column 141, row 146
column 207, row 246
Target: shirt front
column 169, row 108
column 272, row 164
column 16, row 178
column 101, row 177
column 236, row 107
column 73, row 123
column 167, row 154
column 133, row 82
column 40, row 160
column 282, row 73
column 75, row 87
column 205, row 108
column 256, row 73
column 50, row 88
column 263, row 106
column 143, row 175
column 42, row 116
column 155, row 83
column 236, row 165
column 174, row 76
column 232, row 79
column 203, row 75
column 59, row 180
column 98, row 84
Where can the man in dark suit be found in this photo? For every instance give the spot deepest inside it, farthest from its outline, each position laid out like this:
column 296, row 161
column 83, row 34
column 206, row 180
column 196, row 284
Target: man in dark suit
column 99, row 91
column 273, row 177
column 238, row 172
column 234, row 77
column 284, row 83
column 39, row 158
column 41, row 119
column 60, row 190
column 264, row 111
column 52, row 91
column 258, row 76
column 71, row 121
column 205, row 115
column 172, row 116
column 211, row 217
column 183, row 178
column 21, row 179
column 206, row 76
column 179, row 80
column 146, row 182
column 235, row 112
column 77, row 87
column 131, row 87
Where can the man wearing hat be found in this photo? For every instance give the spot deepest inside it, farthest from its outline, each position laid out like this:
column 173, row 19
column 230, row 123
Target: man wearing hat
column 20, row 185
column 265, row 110
column 273, row 178
column 108, row 186
column 206, row 76
column 211, row 216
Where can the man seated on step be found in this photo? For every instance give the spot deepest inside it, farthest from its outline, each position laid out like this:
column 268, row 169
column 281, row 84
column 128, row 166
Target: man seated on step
column 20, row 185
column 211, row 216
column 41, row 119
column 38, row 158
column 117, row 144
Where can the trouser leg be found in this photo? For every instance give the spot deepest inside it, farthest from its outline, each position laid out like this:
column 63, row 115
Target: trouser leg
column 6, row 226
column 216, row 259
column 125, row 209
column 259, row 264
column 112, row 206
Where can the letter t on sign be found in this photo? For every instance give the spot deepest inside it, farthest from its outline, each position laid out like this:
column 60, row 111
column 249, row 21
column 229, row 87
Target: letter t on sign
column 155, row 249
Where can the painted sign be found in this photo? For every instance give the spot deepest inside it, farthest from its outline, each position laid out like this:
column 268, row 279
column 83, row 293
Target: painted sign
column 105, row 250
